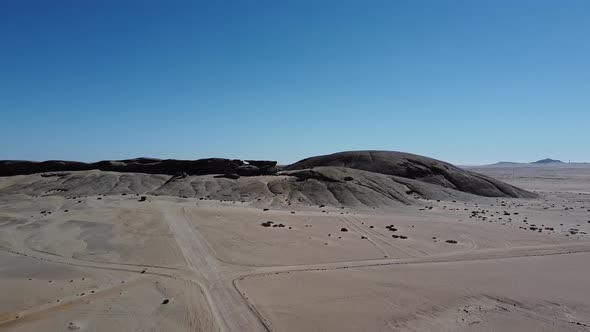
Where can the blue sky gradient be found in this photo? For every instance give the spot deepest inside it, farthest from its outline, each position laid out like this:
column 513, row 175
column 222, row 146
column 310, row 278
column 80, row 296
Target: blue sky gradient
column 469, row 82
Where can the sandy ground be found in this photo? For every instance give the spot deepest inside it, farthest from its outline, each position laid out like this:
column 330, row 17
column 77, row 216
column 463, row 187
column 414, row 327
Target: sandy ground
column 113, row 263
column 573, row 178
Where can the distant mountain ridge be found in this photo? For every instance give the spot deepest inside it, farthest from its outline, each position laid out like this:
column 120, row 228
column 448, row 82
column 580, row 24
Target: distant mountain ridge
column 506, row 163
column 546, row 161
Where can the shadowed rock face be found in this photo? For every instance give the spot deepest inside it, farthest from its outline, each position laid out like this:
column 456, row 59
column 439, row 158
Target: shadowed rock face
column 144, row 165
column 262, row 163
column 406, row 165
column 140, row 165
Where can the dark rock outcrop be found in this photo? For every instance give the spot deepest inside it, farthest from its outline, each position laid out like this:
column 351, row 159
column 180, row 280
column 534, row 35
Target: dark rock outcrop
column 262, row 163
column 247, row 170
column 141, row 165
column 410, row 166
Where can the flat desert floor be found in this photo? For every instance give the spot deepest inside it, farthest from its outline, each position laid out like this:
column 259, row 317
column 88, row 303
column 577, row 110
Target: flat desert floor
column 115, row 263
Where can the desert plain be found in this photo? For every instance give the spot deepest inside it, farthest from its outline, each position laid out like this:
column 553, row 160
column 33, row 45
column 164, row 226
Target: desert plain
column 96, row 250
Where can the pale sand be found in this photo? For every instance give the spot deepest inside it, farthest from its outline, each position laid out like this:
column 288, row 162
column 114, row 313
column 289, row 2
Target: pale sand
column 221, row 270
column 547, row 293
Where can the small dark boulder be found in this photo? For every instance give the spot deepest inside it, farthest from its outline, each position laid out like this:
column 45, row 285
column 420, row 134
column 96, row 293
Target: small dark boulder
column 343, row 229
column 451, row 241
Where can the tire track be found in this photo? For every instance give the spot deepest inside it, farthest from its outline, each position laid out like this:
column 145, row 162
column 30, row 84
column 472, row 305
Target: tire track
column 67, row 302
column 354, row 226
column 371, row 232
column 227, row 305
column 460, row 256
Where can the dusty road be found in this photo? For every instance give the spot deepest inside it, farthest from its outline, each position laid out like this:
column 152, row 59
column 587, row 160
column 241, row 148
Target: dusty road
column 230, row 310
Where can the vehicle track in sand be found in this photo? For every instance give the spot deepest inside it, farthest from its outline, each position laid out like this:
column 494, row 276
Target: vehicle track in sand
column 462, row 256
column 355, row 227
column 46, row 309
column 23, row 250
column 459, row 256
column 219, row 281
column 229, row 308
column 410, row 252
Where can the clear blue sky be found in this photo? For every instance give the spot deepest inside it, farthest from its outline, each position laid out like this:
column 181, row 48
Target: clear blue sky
column 469, row 82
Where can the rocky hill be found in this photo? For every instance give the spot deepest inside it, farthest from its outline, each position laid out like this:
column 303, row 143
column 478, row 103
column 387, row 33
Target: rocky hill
column 359, row 178
column 411, row 166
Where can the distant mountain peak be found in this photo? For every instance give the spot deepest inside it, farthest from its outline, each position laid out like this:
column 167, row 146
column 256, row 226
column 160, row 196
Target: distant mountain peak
column 547, row 161
column 501, row 163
